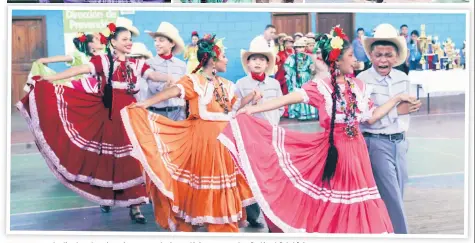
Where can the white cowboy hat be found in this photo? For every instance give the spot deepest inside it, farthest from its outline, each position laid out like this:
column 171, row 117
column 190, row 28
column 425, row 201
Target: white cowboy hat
column 259, row 47
column 310, row 35
column 139, row 49
column 168, row 30
column 302, row 42
column 127, row 23
column 386, row 32
column 310, row 41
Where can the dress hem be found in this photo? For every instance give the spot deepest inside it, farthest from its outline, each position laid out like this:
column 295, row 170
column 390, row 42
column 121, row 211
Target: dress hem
column 52, row 160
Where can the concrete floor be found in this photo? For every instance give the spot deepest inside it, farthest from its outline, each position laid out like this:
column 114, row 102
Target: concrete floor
column 434, row 196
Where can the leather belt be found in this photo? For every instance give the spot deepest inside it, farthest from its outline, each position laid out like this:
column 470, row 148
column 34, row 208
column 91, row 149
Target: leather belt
column 391, row 137
column 164, row 109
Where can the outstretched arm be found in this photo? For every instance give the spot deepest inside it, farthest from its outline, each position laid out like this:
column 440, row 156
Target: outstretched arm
column 166, row 94
column 381, row 111
column 69, row 73
column 276, row 103
column 55, row 59
column 159, row 77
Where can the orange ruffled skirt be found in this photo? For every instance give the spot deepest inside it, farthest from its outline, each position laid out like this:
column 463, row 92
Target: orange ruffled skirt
column 191, row 177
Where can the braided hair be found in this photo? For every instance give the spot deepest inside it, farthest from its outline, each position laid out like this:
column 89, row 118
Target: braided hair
column 207, row 50
column 324, row 45
column 82, row 44
column 107, row 98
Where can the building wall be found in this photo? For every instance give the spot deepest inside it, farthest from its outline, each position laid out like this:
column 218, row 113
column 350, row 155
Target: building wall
column 54, row 32
column 442, row 25
column 239, row 28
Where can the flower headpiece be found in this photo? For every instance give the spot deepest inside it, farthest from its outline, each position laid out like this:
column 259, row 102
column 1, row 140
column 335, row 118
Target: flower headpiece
column 107, row 33
column 81, row 37
column 332, row 44
column 81, row 44
column 210, row 47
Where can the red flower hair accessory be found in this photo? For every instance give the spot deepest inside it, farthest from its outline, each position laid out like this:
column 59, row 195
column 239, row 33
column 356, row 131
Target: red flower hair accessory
column 82, row 37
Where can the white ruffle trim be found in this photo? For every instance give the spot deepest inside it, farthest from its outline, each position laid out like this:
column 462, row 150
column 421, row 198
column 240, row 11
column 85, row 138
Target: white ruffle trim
column 63, row 175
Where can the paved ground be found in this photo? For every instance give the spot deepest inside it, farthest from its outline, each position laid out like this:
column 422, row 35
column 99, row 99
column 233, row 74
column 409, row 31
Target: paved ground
column 434, row 195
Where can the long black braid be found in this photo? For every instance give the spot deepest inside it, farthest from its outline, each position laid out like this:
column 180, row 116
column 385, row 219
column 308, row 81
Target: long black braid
column 108, row 97
column 332, row 157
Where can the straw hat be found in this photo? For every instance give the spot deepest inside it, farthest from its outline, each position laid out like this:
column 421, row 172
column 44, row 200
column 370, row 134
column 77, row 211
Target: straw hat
column 310, row 41
column 281, row 35
column 298, row 34
column 310, row 35
column 386, row 32
column 302, row 42
column 127, row 23
column 139, row 49
column 289, row 38
column 259, row 47
column 168, row 30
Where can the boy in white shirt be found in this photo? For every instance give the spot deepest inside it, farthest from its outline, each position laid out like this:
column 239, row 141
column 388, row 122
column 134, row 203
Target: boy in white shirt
column 258, row 64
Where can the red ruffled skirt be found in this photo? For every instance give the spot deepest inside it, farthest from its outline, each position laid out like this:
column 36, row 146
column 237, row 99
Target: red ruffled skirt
column 88, row 152
column 284, row 170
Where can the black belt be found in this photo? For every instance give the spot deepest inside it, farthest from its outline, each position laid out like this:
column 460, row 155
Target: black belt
column 390, row 137
column 164, row 109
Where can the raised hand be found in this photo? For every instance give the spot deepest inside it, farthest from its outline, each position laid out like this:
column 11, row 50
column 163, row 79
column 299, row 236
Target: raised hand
column 245, row 110
column 257, row 97
column 408, row 98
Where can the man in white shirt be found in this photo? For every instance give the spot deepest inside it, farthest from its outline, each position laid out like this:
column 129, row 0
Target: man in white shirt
column 268, row 36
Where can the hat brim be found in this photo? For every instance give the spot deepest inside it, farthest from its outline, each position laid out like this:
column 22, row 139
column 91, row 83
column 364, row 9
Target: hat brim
column 179, row 43
column 246, row 54
column 399, row 41
column 147, row 55
column 133, row 30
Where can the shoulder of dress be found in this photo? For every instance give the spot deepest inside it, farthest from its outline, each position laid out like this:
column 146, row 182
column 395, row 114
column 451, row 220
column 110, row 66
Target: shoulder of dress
column 359, row 83
column 225, row 81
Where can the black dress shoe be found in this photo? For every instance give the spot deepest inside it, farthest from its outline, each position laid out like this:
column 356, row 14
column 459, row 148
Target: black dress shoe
column 137, row 217
column 255, row 224
column 105, row 209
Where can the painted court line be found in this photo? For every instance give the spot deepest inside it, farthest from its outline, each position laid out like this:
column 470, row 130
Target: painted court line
column 438, row 174
column 55, row 210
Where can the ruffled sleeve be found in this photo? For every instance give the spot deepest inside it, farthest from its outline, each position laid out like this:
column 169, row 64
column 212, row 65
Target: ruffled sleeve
column 144, row 69
column 78, row 59
column 187, row 88
column 96, row 64
column 311, row 94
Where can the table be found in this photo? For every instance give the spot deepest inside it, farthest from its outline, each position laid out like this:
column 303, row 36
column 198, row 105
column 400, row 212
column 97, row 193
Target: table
column 445, row 82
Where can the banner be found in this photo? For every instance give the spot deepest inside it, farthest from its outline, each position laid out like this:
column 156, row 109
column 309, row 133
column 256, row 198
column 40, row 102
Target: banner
column 87, row 21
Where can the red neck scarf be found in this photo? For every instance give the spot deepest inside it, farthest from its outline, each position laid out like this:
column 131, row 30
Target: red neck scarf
column 289, row 51
column 258, row 77
column 167, row 57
